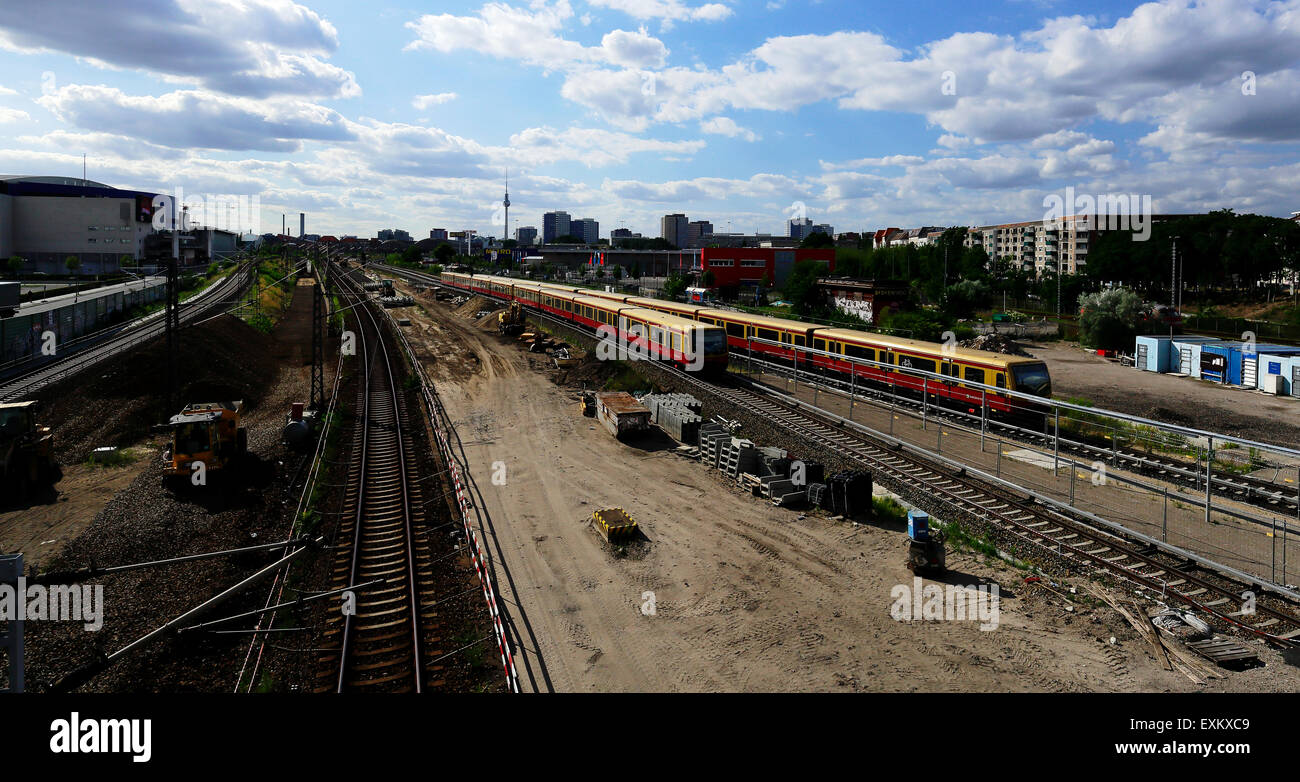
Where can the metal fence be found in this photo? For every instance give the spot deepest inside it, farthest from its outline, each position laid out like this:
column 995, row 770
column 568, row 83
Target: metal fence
column 1235, row 327
column 1173, row 485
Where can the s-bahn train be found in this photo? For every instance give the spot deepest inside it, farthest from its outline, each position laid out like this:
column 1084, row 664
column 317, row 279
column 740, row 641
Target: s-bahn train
column 815, row 347
column 632, row 329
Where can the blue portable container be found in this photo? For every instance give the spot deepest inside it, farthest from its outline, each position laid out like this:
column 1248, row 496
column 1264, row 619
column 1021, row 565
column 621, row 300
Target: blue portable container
column 1151, row 354
column 1221, row 363
column 918, row 525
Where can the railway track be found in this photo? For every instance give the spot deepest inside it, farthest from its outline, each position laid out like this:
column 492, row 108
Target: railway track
column 122, row 340
column 383, row 645
column 1247, row 489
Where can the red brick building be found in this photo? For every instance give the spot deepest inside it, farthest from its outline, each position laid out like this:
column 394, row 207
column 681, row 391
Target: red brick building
column 747, row 266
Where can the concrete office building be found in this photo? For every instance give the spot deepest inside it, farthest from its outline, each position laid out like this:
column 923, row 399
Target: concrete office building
column 554, row 225
column 526, row 236
column 46, row 219
column 673, row 228
column 585, row 229
column 698, row 232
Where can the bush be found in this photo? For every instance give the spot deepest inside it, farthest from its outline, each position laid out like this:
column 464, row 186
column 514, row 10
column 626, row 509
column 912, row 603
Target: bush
column 1109, row 320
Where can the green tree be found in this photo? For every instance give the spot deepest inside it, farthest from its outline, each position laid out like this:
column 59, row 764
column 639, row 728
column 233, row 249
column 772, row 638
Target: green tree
column 444, row 253
column 801, row 287
column 1111, row 318
column 73, row 263
column 411, row 256
column 673, row 288
column 964, row 298
column 817, row 239
column 15, row 264
column 618, row 272
column 708, row 278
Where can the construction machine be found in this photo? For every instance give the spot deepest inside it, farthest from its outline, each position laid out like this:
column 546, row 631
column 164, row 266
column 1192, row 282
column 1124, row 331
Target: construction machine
column 26, row 450
column 511, row 320
column 210, row 433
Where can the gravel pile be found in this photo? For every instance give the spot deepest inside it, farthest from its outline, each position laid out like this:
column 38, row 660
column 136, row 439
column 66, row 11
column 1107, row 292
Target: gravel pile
column 120, row 401
column 994, row 343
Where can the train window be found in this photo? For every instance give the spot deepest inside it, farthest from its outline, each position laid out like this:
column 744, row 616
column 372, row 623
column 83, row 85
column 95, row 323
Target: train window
column 767, row 334
column 677, row 342
column 656, row 335
column 914, row 362
column 819, row 344
column 854, row 351
column 1002, row 380
column 800, row 340
column 974, row 375
column 735, row 330
column 785, row 337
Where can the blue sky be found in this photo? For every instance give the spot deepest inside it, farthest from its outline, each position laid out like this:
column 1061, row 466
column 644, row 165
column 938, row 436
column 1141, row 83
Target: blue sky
column 407, row 115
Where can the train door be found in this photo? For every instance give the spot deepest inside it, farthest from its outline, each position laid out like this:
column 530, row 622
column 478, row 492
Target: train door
column 1185, row 361
column 1141, row 356
column 1249, row 371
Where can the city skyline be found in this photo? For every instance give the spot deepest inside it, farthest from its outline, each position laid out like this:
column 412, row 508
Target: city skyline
column 860, row 117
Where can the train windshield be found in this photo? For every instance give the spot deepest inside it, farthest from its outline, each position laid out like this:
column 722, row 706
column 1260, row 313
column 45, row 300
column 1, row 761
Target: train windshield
column 715, row 342
column 1033, row 379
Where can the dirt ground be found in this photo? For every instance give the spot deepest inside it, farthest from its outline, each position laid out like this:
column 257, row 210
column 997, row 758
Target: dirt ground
column 1183, row 401
column 40, row 530
column 746, row 596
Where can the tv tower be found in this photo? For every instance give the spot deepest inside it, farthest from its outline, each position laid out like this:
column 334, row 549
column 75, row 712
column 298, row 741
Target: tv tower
column 506, row 203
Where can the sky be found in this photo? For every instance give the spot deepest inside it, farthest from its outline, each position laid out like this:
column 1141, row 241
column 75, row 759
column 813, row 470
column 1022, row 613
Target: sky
column 410, row 115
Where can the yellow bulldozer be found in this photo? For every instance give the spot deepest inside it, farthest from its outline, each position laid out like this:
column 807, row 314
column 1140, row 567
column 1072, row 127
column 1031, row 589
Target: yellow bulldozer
column 511, row 320
column 26, row 451
column 207, row 433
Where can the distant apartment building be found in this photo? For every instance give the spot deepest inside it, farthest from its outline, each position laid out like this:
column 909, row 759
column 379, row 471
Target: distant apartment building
column 623, row 233
column 697, row 232
column 585, row 229
column 388, row 234
column 526, row 236
column 554, row 225
column 674, row 229
column 438, row 233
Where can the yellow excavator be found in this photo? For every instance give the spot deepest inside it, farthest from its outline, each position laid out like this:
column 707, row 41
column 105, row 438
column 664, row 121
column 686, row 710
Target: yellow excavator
column 511, row 320
column 26, row 450
column 211, row 433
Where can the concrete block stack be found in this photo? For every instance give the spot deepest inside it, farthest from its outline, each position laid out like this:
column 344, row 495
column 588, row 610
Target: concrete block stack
column 738, row 456
column 712, row 436
column 676, row 414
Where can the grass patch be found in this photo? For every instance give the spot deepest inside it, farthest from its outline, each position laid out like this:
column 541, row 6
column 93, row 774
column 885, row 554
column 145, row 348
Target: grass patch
column 627, row 379
column 119, row 458
column 888, row 509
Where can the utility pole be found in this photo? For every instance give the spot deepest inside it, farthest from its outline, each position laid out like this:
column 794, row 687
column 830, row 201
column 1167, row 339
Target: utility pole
column 1173, row 280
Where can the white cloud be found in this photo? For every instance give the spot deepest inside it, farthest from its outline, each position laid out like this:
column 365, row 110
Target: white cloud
column 254, row 48
column 725, row 126
column 13, row 115
column 532, row 35
column 189, row 118
column 423, row 102
column 668, row 11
